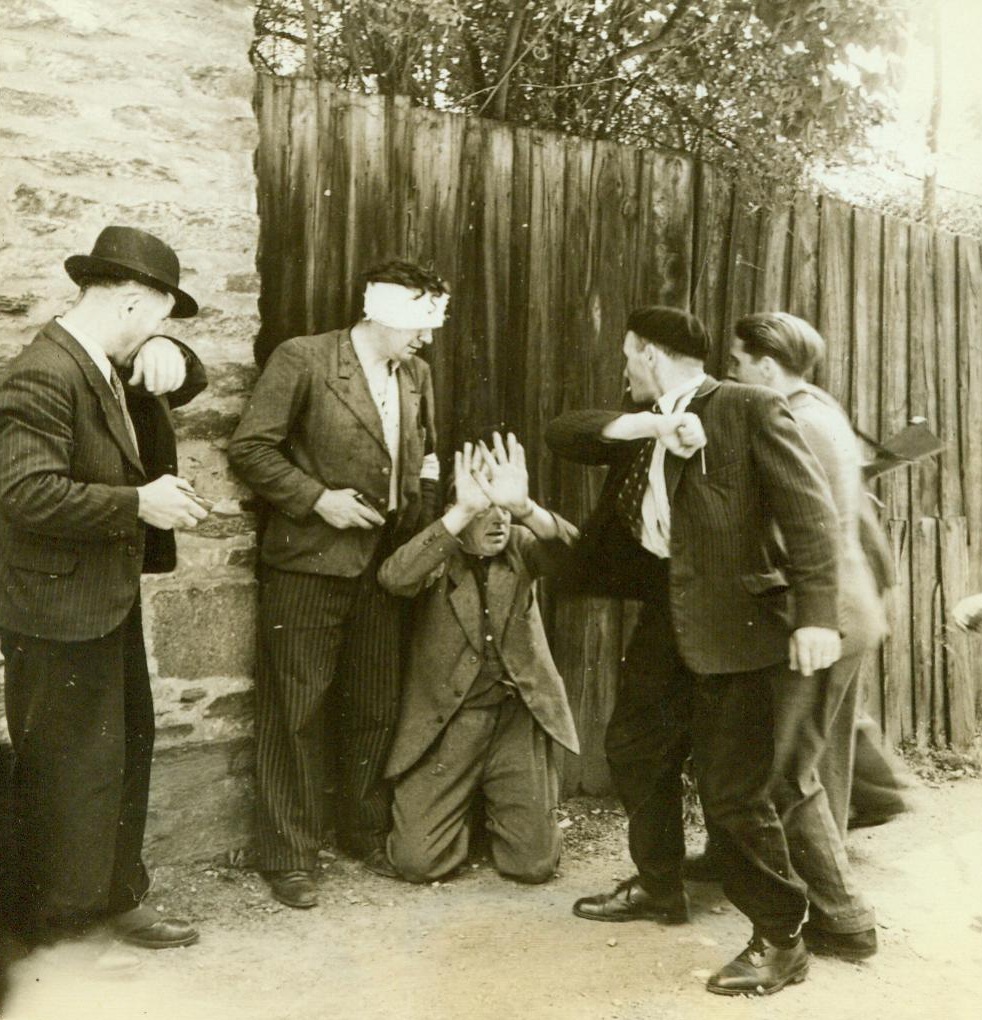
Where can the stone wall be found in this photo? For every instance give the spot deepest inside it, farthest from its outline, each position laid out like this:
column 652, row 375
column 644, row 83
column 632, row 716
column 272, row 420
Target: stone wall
column 142, row 115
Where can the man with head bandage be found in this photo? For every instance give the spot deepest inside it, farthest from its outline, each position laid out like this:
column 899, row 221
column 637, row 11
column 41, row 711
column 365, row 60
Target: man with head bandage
column 339, row 438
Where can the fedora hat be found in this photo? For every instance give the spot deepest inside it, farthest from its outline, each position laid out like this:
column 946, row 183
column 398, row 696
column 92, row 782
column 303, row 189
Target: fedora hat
column 130, row 254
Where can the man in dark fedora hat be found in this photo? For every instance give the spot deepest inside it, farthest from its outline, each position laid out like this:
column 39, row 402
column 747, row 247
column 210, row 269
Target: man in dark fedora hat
column 89, row 468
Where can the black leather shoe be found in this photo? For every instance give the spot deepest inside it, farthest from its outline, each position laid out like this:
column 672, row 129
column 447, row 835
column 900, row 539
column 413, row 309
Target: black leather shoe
column 853, row 945
column 145, row 928
column 630, row 901
column 702, row 868
column 293, row 888
column 761, row 969
column 378, row 863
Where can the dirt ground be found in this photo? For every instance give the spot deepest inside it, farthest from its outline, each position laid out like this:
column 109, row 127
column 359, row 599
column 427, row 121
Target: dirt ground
column 479, row 947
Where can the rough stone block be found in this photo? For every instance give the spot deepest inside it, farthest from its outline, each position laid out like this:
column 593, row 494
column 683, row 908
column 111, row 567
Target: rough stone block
column 35, row 104
column 30, row 14
column 209, row 423
column 201, row 801
column 204, row 630
column 237, row 707
column 243, row 283
column 231, row 379
column 16, row 304
column 44, row 202
column 82, row 164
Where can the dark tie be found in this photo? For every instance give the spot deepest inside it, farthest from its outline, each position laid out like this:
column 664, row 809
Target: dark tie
column 120, row 394
column 631, row 496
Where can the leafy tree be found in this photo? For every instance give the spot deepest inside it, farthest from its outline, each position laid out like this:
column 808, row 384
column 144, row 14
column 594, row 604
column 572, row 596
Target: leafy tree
column 765, row 88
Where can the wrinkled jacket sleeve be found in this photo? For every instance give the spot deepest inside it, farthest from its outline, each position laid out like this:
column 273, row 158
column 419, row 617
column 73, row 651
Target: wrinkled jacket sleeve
column 577, row 436
column 37, row 491
column 407, row 571
column 256, row 447
column 544, row 557
column 795, row 488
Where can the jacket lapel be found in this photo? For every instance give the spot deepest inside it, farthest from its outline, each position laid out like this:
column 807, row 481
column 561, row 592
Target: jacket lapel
column 675, row 465
column 111, row 410
column 465, row 600
column 502, row 587
column 348, row 382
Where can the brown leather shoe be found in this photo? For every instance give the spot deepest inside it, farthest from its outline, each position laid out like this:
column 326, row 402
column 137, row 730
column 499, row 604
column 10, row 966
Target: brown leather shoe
column 853, row 945
column 145, row 928
column 293, row 888
column 630, row 901
column 761, row 969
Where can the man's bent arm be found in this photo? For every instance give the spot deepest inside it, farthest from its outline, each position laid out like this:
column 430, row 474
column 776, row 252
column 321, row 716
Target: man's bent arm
column 255, row 449
column 37, row 492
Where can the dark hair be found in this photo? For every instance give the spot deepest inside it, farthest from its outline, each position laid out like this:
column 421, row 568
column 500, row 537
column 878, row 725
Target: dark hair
column 406, row 274
column 671, row 329
column 793, row 343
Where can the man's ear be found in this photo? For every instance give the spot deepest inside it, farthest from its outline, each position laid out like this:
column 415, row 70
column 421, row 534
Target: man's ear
column 769, row 369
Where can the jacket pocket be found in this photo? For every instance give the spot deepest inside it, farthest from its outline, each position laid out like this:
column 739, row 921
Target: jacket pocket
column 768, row 582
column 43, row 559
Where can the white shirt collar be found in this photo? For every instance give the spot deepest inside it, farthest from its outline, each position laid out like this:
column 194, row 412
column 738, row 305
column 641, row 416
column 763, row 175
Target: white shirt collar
column 91, row 348
column 667, row 401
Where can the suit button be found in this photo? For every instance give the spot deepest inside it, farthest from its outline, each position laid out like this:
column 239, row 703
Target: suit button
column 131, row 550
column 473, row 658
column 386, row 471
column 439, row 718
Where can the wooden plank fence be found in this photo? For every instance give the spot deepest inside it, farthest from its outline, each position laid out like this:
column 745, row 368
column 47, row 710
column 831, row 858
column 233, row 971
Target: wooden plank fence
column 548, row 242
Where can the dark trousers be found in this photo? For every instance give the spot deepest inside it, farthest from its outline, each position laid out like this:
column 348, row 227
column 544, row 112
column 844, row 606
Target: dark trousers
column 733, row 754
column 647, row 743
column 319, row 633
column 82, row 725
column 663, row 711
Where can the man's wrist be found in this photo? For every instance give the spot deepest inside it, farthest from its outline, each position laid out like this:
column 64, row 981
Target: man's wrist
column 526, row 512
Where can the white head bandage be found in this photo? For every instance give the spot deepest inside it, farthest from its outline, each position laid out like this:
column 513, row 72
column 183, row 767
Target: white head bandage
column 398, row 307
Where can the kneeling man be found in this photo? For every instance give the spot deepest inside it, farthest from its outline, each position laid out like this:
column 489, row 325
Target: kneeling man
column 483, row 704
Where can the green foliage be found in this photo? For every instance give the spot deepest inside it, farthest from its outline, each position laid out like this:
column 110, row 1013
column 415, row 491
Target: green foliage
column 764, row 88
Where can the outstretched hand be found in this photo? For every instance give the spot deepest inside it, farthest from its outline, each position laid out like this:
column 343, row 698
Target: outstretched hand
column 505, row 480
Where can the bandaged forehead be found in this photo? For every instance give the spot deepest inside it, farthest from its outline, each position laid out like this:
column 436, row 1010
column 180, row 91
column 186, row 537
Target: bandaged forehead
column 398, row 307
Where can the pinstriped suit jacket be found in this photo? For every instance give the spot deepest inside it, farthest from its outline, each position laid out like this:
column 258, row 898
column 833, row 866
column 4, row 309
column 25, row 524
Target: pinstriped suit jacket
column 736, row 591
column 71, row 545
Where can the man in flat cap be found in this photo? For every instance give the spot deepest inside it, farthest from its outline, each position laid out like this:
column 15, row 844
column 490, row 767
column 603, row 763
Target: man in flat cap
column 688, row 524
column 339, row 438
column 82, row 483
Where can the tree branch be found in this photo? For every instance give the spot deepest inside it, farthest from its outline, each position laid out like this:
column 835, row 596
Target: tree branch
column 661, row 40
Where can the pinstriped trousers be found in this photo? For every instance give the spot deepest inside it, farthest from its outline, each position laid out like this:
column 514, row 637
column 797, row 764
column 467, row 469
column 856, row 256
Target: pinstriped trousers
column 324, row 641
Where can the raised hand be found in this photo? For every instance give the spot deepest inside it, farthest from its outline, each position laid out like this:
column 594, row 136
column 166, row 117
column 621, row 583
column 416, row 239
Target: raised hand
column 507, row 481
column 468, row 463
